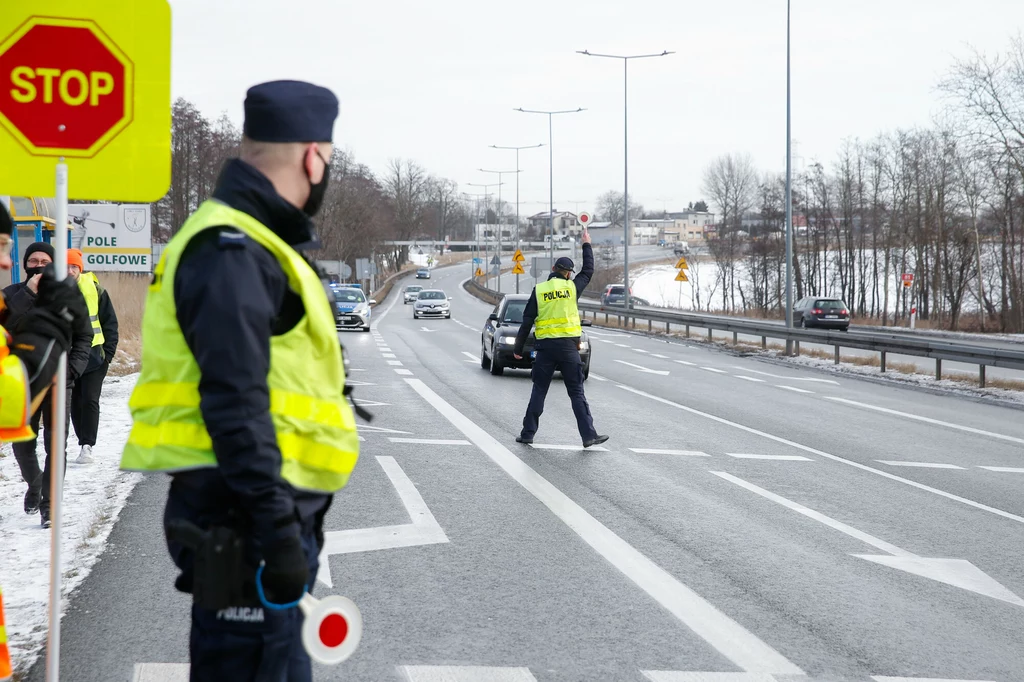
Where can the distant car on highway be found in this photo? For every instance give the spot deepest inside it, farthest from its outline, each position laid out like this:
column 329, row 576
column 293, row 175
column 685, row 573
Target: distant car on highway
column 351, row 308
column 411, row 293
column 826, row 313
column 432, row 303
column 498, row 339
column 423, row 273
column 681, row 249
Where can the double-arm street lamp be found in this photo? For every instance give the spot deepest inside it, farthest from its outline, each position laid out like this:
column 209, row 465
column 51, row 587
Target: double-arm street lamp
column 498, row 214
column 486, row 265
column 531, row 146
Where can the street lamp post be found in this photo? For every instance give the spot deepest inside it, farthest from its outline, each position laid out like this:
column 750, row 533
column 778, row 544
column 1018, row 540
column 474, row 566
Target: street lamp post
column 487, row 266
column 475, row 230
column 499, row 215
column 789, row 196
column 551, row 171
column 625, row 145
column 532, row 146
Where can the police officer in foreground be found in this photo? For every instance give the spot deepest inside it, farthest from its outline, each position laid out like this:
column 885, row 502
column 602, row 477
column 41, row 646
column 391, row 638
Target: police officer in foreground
column 552, row 309
column 241, row 394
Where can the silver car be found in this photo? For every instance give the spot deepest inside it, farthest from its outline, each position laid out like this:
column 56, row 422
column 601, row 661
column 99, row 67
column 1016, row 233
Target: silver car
column 432, row 303
column 411, row 292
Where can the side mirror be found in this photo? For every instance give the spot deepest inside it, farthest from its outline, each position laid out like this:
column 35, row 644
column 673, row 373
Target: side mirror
column 373, row 301
column 449, row 298
column 493, row 317
column 586, row 323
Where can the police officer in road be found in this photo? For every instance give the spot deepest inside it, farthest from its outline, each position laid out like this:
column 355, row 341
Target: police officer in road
column 552, row 309
column 241, row 394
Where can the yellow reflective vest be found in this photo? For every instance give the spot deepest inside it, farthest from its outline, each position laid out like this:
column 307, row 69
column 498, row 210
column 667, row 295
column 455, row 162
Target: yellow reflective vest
column 90, row 288
column 316, row 430
column 15, row 395
column 557, row 314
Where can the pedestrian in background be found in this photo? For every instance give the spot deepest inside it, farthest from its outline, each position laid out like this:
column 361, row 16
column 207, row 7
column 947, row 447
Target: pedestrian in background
column 22, row 298
column 85, row 397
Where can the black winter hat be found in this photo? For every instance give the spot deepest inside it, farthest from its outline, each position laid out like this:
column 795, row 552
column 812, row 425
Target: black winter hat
column 33, row 248
column 6, row 223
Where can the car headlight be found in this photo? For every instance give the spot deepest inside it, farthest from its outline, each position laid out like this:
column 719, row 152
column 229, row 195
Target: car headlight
column 584, row 345
column 508, row 340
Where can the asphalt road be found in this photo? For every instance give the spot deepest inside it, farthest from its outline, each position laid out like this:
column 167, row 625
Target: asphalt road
column 745, row 523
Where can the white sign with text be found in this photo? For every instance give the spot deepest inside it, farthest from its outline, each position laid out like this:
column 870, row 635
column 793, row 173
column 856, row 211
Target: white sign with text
column 113, row 237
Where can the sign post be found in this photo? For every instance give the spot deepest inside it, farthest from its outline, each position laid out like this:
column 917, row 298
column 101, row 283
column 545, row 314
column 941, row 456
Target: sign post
column 908, row 282
column 517, row 269
column 681, row 277
column 85, row 113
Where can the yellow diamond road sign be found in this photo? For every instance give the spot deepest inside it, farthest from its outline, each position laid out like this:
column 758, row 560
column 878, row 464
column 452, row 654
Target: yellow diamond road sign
column 518, row 269
column 519, row 257
column 89, row 82
column 681, row 264
column 681, row 277
column 479, row 273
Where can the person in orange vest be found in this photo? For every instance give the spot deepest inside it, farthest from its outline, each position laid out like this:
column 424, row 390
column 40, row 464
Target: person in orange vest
column 31, row 347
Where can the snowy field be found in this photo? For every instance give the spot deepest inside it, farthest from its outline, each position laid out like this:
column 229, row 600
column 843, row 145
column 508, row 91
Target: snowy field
column 93, row 496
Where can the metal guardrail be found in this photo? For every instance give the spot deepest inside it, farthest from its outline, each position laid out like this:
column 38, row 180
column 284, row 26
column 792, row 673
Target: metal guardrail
column 882, row 343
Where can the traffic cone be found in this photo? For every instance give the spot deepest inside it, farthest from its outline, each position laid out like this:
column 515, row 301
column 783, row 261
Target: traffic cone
column 5, row 654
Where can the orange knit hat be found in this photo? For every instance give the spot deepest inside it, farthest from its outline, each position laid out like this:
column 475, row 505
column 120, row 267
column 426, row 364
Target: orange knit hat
column 75, row 258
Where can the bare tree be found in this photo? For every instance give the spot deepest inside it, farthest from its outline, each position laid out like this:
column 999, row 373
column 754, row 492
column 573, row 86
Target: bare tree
column 730, row 181
column 610, row 207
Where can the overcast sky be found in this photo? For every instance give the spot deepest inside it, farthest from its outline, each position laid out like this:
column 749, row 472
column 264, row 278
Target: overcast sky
column 437, row 81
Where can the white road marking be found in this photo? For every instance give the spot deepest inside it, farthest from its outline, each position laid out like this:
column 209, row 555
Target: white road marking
column 605, row 341
column 662, row 372
column 922, row 465
column 715, row 370
column 622, row 345
column 470, row 355
column 423, row 529
column 886, row 678
column 598, row 377
column 465, row 673
column 753, row 379
column 427, row 329
column 395, row 362
column 640, row 350
column 684, row 676
column 380, row 429
column 429, row 441
column 365, row 402
column 350, row 382
column 659, row 355
column 403, row 372
column 730, row 638
column 1005, row 470
column 781, row 458
column 780, row 376
column 388, row 355
column 956, row 572
column 929, row 420
column 794, row 389
column 553, row 446
column 821, row 453
column 688, row 364
column 656, row 451
column 161, row 672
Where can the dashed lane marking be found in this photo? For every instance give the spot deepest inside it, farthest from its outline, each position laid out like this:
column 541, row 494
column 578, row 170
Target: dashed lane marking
column 470, row 355
column 388, row 355
column 640, row 350
column 658, row 451
column 598, row 377
column 780, row 376
column 921, row 465
column 752, row 379
column 715, row 370
column 394, row 362
column 622, row 345
column 781, row 458
column 1004, row 470
column 659, row 355
column 688, row 364
column 429, row 441
column 553, row 446
column 465, row 673
column 794, row 389
column 403, row 372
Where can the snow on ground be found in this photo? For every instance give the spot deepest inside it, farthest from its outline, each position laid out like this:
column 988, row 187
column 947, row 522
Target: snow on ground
column 93, row 497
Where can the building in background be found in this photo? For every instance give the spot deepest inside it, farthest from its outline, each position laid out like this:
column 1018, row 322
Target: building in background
column 565, row 223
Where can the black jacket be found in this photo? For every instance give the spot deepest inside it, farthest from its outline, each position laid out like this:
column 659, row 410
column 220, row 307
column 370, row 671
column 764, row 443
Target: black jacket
column 20, row 300
column 103, row 355
column 530, row 312
column 232, row 296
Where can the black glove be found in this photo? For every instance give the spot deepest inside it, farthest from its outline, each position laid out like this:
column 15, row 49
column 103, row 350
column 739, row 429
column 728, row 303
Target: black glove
column 38, row 338
column 286, row 572
column 61, row 297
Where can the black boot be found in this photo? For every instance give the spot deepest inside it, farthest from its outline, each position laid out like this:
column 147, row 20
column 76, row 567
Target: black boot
column 44, row 518
column 31, row 501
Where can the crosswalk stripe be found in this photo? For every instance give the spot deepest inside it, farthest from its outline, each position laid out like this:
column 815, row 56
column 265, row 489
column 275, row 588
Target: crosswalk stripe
column 161, row 672
column 465, row 673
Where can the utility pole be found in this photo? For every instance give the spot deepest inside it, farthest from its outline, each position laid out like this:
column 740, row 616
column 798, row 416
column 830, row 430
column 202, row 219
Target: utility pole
column 532, row 146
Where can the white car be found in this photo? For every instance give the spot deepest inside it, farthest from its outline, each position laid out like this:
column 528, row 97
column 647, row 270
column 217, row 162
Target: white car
column 411, row 292
column 432, row 303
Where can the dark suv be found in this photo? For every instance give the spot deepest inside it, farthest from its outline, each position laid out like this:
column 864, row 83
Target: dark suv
column 826, row 313
column 614, row 294
column 499, row 338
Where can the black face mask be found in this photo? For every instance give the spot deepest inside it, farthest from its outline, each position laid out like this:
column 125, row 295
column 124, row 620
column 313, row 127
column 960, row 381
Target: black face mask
column 32, row 272
column 317, row 191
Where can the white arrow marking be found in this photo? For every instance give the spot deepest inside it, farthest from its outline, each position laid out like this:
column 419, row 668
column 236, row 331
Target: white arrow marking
column 779, row 376
column 427, row 329
column 662, row 372
column 956, row 572
column 424, row 529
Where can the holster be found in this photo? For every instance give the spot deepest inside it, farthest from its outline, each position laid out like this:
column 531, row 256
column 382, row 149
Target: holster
column 220, row 574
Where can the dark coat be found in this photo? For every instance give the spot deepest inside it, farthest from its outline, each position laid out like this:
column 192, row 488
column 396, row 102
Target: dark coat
column 20, row 300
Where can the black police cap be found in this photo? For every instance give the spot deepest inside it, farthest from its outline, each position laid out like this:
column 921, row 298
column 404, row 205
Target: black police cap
column 290, row 111
column 564, row 263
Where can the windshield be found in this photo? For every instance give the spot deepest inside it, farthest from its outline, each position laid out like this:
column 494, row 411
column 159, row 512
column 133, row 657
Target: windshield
column 514, row 312
column 349, row 296
column 432, row 295
column 413, row 290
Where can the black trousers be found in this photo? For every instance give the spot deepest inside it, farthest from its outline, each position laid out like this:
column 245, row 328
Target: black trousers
column 563, row 355
column 85, row 404
column 25, row 452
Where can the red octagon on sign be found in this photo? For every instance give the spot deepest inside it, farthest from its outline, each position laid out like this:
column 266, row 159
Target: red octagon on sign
column 66, row 87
